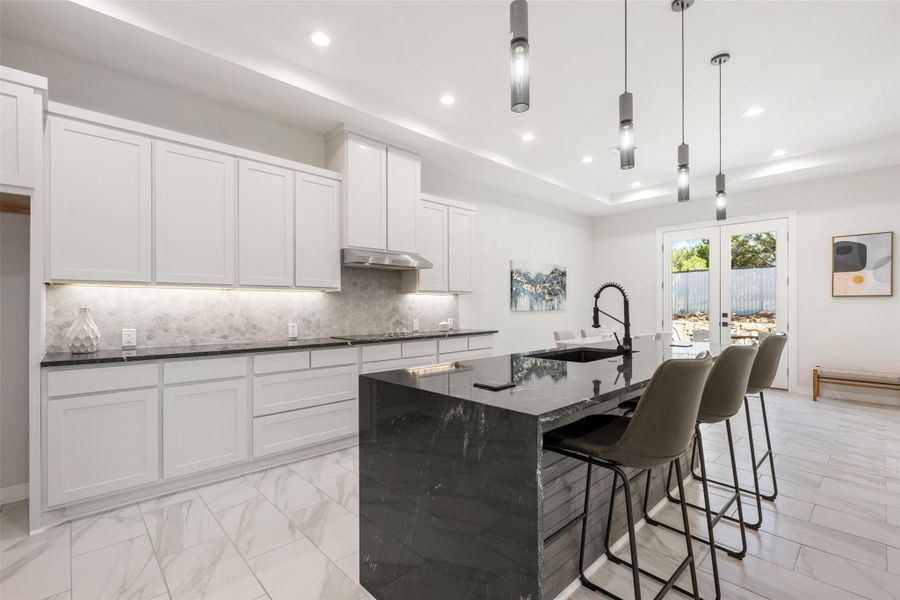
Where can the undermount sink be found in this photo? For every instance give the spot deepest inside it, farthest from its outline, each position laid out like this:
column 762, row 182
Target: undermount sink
column 581, row 355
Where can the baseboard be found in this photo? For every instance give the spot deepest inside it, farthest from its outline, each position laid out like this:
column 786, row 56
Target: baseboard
column 13, row 493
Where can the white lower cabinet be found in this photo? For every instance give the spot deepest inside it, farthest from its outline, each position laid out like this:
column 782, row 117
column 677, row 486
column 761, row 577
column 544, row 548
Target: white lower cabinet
column 301, row 428
column 282, row 392
column 102, row 443
column 205, row 425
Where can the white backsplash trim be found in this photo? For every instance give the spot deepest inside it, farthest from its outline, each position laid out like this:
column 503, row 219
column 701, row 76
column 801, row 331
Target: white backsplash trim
column 369, row 302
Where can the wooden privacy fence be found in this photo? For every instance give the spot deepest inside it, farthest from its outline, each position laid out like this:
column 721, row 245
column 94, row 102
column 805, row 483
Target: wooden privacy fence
column 752, row 290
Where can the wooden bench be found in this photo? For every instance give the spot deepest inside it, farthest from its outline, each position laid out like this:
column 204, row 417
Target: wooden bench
column 865, row 379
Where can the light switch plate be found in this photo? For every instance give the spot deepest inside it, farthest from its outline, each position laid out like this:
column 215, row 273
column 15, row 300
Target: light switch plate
column 129, row 338
column 292, row 331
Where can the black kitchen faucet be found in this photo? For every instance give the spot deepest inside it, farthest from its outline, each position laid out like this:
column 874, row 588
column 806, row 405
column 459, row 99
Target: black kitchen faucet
column 625, row 343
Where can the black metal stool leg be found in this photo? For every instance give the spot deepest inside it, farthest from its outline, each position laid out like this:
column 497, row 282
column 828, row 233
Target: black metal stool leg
column 687, row 537
column 762, row 403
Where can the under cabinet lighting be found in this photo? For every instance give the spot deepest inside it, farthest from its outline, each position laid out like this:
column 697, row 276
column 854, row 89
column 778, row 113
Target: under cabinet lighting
column 320, row 38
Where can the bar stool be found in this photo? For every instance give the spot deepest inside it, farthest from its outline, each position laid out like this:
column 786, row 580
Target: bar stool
column 721, row 400
column 659, row 433
column 765, row 366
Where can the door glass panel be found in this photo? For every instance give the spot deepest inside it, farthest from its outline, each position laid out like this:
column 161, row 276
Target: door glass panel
column 690, row 290
column 753, row 286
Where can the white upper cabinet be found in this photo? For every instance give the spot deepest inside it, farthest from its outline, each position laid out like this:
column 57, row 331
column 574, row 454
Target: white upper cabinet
column 365, row 211
column 17, row 135
column 100, row 203
column 265, row 225
column 403, row 190
column 195, row 227
column 432, row 243
column 317, row 225
column 461, row 230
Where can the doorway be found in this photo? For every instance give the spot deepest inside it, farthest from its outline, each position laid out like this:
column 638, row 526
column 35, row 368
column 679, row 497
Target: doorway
column 727, row 284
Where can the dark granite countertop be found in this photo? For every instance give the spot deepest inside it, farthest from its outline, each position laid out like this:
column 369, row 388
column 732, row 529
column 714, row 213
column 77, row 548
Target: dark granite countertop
column 60, row 359
column 546, row 388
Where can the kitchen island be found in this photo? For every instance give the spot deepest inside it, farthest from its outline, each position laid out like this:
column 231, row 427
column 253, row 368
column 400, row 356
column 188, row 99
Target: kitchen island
column 456, row 491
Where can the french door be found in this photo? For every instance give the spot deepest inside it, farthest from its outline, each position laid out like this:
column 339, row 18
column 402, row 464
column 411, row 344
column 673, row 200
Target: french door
column 727, row 284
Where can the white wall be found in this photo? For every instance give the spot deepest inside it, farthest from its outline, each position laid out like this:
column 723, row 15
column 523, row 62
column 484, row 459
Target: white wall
column 13, row 350
column 848, row 332
column 89, row 86
column 509, row 227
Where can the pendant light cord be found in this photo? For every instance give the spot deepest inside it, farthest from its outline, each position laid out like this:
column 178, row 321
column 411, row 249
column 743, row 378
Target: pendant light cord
column 682, row 72
column 626, row 45
column 720, row 117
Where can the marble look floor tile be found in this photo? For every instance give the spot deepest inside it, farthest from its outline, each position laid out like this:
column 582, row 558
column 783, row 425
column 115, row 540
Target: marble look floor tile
column 167, row 499
column 226, row 494
column 847, row 575
column 344, row 489
column 331, row 527
column 876, row 531
column 37, row 566
column 856, row 505
column 67, row 595
column 107, row 528
column 257, row 477
column 13, row 526
column 347, row 458
column 350, row 566
column 299, row 571
column 316, row 469
column 856, row 492
column 213, row 570
column 893, row 560
column 124, row 570
column 893, row 516
column 179, row 526
column 256, row 527
column 289, row 492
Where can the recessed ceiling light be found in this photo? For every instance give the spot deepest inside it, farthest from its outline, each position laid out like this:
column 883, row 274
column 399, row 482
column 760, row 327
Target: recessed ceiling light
column 528, row 137
column 448, row 99
column 587, row 159
column 779, row 152
column 754, row 111
column 320, row 38
column 635, row 184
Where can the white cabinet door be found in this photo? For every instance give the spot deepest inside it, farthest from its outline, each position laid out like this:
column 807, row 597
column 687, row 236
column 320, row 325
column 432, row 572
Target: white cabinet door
column 365, row 207
column 194, row 215
column 432, row 236
column 265, row 225
column 102, row 443
column 403, row 191
column 205, row 425
column 100, row 204
column 461, row 228
column 17, row 131
column 301, row 428
column 317, row 226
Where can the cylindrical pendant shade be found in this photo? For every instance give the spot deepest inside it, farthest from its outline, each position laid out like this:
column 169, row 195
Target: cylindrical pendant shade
column 721, row 197
column 684, row 173
column 518, row 56
column 626, row 131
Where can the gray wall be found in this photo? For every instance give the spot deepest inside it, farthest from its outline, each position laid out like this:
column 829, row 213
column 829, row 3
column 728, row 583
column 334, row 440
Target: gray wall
column 13, row 350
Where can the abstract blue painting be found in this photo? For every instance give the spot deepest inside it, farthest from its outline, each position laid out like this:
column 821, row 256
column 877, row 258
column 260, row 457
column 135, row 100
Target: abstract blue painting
column 535, row 287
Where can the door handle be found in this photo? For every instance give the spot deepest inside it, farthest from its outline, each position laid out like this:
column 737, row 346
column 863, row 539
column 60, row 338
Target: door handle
column 724, row 323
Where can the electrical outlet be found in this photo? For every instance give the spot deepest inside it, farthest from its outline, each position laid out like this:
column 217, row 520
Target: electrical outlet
column 415, row 325
column 292, row 331
column 129, row 338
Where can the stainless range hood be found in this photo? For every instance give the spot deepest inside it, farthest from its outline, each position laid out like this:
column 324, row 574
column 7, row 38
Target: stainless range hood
column 379, row 259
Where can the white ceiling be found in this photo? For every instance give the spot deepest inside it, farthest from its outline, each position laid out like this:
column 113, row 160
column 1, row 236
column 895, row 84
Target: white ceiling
column 827, row 73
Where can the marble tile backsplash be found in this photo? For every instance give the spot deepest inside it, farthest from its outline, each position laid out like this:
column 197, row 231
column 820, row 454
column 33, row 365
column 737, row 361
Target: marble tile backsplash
column 369, row 302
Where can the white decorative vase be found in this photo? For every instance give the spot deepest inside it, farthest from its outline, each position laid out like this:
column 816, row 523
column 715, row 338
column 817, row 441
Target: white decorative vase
column 83, row 336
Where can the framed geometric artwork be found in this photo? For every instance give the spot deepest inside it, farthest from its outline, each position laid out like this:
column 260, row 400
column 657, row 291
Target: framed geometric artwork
column 862, row 265
column 536, row 287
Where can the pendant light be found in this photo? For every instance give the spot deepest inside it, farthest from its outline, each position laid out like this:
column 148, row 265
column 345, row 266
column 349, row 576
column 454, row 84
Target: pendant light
column 626, row 114
column 684, row 171
column 518, row 56
column 721, row 197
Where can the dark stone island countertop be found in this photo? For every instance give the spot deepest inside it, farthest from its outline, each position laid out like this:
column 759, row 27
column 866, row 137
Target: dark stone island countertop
column 61, row 359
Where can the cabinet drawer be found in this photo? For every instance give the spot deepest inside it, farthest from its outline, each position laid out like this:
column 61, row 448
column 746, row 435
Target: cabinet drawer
column 302, row 389
column 480, row 342
column 205, row 369
column 380, row 352
column 101, row 444
column 307, row 427
column 278, row 363
column 333, row 357
column 457, row 344
column 464, row 355
column 400, row 363
column 423, row 348
column 101, row 379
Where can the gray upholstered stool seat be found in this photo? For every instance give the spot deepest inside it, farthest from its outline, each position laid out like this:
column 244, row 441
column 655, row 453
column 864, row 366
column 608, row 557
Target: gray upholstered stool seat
column 659, row 433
